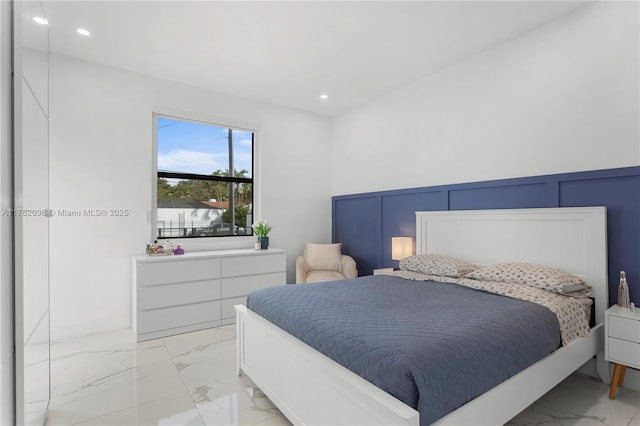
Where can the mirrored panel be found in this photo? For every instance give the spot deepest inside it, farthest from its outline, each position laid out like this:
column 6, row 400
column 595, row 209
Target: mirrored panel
column 31, row 163
column 32, row 233
column 35, row 51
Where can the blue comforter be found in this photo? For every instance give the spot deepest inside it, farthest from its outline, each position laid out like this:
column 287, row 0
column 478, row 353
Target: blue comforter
column 432, row 345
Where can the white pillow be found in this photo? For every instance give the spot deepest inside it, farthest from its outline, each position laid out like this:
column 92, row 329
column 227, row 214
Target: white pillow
column 323, row 257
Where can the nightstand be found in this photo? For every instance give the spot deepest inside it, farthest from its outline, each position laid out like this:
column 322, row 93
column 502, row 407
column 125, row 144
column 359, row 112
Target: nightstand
column 622, row 343
column 382, row 271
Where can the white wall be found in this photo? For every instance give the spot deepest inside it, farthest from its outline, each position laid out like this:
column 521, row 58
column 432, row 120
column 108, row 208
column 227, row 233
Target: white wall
column 561, row 98
column 6, row 225
column 101, row 156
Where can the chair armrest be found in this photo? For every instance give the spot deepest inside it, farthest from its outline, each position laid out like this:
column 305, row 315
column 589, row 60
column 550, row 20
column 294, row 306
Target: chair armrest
column 301, row 270
column 349, row 267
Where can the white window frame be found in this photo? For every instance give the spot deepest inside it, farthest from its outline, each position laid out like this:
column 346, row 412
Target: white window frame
column 204, row 243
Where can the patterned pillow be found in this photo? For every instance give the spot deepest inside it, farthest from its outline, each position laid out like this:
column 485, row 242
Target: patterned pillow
column 543, row 277
column 433, row 264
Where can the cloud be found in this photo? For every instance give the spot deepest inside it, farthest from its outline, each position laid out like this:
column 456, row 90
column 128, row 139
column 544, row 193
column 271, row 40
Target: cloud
column 192, row 162
column 245, row 141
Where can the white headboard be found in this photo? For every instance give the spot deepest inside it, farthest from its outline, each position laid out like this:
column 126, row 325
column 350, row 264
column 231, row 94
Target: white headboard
column 573, row 239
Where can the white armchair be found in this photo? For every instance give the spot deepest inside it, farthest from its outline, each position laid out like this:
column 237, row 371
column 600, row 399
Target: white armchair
column 324, row 262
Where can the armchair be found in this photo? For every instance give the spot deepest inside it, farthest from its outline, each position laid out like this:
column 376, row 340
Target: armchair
column 324, row 262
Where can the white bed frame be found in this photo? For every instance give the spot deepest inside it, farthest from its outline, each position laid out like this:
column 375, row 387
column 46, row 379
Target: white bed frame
column 309, row 388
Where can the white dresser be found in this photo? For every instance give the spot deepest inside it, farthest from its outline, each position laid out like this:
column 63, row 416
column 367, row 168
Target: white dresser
column 177, row 294
column 622, row 342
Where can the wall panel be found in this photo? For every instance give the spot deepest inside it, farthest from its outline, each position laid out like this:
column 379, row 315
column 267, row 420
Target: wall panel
column 366, row 222
column 514, row 196
column 621, row 196
column 398, row 216
column 359, row 230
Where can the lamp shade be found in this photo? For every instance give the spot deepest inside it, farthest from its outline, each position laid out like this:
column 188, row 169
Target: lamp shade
column 401, row 247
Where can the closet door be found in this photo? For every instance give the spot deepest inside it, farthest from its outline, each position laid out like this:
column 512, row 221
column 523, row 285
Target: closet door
column 7, row 353
column 31, row 217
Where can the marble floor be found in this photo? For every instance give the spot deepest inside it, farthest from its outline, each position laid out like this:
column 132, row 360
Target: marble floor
column 190, row 379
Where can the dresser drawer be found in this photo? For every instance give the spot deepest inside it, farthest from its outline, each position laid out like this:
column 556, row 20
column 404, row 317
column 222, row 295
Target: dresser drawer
column 178, row 316
column 197, row 290
column 250, row 265
column 227, row 306
column 177, row 294
column 624, row 328
column 241, row 286
column 175, row 271
column 624, row 352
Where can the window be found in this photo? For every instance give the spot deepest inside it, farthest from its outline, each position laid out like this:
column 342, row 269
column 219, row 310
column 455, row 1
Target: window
column 205, row 172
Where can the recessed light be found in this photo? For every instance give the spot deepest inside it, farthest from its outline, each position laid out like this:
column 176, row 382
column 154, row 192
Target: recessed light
column 323, row 96
column 40, row 20
column 83, row 32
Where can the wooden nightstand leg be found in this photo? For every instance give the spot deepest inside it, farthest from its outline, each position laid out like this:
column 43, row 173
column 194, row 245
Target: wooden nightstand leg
column 617, row 379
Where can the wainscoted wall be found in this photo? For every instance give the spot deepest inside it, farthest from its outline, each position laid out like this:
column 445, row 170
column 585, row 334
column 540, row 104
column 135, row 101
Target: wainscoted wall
column 364, row 223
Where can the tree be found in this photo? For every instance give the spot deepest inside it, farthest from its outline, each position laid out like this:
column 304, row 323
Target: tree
column 240, row 215
column 242, row 193
column 165, row 190
column 204, row 190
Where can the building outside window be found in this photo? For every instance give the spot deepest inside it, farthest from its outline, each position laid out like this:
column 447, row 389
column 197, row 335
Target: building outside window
column 205, row 179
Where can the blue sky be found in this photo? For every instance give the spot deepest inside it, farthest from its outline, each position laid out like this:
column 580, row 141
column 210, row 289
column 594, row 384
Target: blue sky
column 190, row 147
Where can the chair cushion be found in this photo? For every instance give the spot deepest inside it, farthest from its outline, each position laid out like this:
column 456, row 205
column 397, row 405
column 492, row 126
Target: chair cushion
column 323, row 257
column 316, row 276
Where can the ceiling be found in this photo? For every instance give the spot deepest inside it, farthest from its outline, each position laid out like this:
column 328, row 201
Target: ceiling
column 289, row 53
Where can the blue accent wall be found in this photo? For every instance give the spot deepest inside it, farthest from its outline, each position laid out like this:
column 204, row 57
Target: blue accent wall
column 365, row 223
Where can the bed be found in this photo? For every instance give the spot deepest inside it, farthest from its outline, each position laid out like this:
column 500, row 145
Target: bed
column 311, row 388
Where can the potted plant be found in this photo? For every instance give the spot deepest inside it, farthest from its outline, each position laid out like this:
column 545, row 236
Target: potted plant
column 262, row 228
